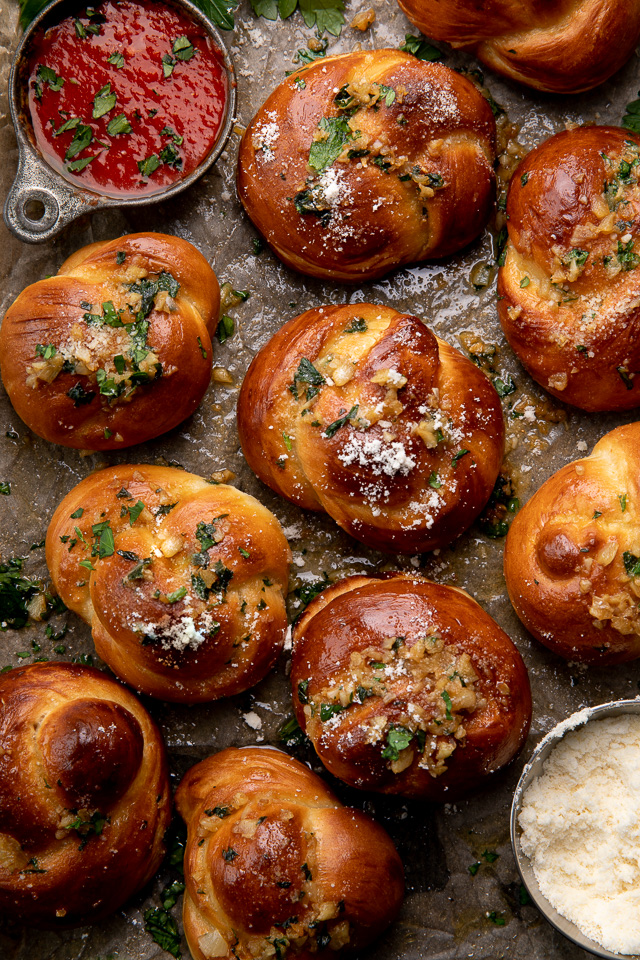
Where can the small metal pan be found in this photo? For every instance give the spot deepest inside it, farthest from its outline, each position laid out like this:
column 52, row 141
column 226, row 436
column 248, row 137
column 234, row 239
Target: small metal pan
column 533, row 770
column 41, row 202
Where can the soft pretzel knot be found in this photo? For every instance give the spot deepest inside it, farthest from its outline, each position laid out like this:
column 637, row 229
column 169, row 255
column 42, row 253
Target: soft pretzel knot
column 84, row 795
column 563, row 46
column 408, row 687
column 181, row 581
column 275, row 866
column 569, row 290
column 362, row 412
column 366, row 161
column 572, row 556
column 116, row 347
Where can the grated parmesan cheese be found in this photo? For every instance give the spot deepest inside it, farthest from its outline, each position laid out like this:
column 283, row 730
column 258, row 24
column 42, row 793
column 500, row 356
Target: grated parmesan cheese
column 582, row 833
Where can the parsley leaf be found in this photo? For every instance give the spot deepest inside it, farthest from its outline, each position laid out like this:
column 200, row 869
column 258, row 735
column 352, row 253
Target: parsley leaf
column 398, row 739
column 103, row 102
column 422, row 48
column 631, row 119
column 118, row 124
column 323, row 14
column 325, row 152
column 163, row 929
column 340, row 422
column 306, row 373
column 631, row 564
column 219, row 12
column 15, row 592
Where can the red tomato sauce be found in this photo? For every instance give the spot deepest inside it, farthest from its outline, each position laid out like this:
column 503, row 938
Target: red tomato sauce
column 170, row 87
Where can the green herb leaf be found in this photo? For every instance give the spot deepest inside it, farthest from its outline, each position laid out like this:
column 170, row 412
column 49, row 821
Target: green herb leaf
column 434, row 481
column 103, row 102
column 118, row 125
column 15, row 593
column 325, row 152
column 303, row 688
column 490, row 856
column 447, row 702
column 79, row 165
column 117, row 59
column 329, row 710
column 474, row 867
column 177, row 595
column 163, row 929
column 458, row 457
column 46, row 75
column 183, row 49
column 149, row 165
column 340, row 422
column 229, row 854
column 306, row 373
column 627, row 259
column 631, row 119
column 219, row 12
column 398, row 739
column 135, row 511
column 504, row 388
column 225, row 328
column 422, row 48
column 69, row 124
column 79, row 395
column 623, row 501
column 81, row 138
column 357, row 325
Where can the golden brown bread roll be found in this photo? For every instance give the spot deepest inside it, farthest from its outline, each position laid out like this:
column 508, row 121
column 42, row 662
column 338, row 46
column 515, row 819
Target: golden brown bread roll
column 408, row 687
column 362, row 412
column 273, row 860
column 116, row 347
column 182, row 581
column 569, row 290
column 361, row 163
column 84, row 795
column 572, row 555
column 563, row 46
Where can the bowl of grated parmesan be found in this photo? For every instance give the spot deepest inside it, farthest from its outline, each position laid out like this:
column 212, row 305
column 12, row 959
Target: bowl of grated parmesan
column 575, row 828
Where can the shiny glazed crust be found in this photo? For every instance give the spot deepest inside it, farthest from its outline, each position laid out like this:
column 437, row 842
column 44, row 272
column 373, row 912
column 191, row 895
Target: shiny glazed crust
column 402, row 483
column 571, row 554
column 187, row 601
column 267, row 841
column 563, row 46
column 385, row 670
column 84, row 795
column 421, row 182
column 122, row 408
column 569, row 291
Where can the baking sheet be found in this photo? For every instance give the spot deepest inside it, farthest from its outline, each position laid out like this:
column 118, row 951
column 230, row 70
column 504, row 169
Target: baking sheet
column 448, row 914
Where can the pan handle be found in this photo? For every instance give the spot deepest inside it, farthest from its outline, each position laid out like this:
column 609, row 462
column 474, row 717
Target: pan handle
column 39, row 205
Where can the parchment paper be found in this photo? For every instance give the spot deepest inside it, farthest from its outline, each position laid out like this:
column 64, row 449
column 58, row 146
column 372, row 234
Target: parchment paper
column 448, row 914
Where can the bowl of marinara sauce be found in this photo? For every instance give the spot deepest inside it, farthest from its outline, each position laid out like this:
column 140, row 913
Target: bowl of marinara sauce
column 122, row 103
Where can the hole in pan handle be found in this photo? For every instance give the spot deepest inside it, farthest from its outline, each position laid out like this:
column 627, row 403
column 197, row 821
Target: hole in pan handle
column 38, row 205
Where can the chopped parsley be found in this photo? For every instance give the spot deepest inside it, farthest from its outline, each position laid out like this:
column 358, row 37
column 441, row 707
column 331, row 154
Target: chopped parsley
column 79, row 395
column 117, row 59
column 103, row 102
column 307, row 374
column 631, row 564
column 5, row 488
column 15, row 593
column 149, row 165
column 357, row 325
column 323, row 153
column 46, row 75
column 458, row 457
column 398, row 739
column 225, row 328
column 163, row 929
column 118, row 125
column 627, row 259
column 333, row 428
column 422, row 48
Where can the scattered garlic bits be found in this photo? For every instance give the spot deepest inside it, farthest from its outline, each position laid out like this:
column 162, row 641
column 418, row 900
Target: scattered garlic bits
column 429, row 729
column 366, row 161
column 579, row 822
column 182, row 580
column 572, row 555
column 569, row 281
column 405, row 686
column 362, row 412
column 275, row 866
column 116, row 348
